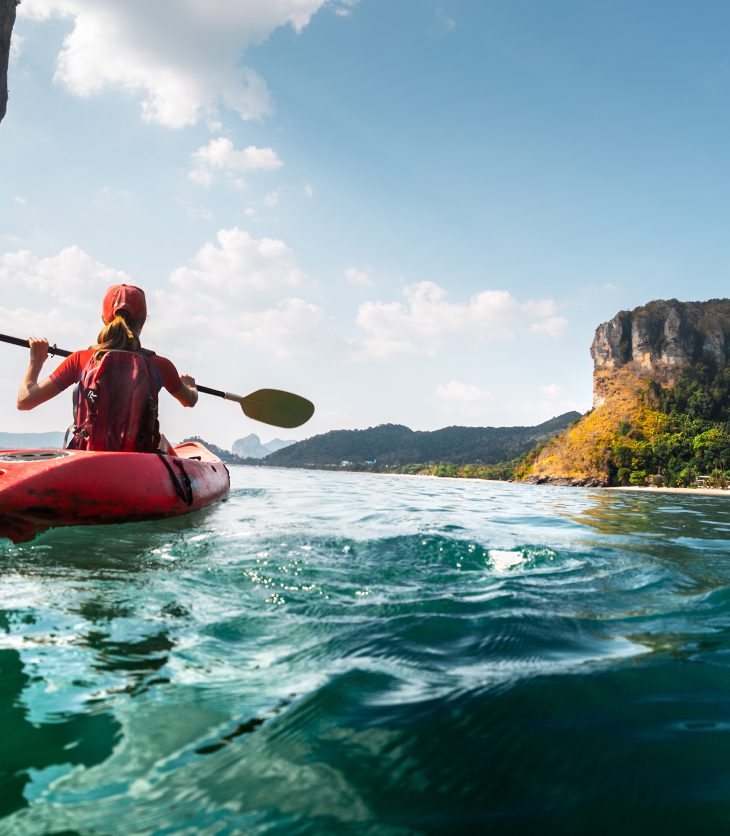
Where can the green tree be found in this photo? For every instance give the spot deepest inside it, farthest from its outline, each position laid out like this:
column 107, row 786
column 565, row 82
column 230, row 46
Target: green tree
column 637, row 477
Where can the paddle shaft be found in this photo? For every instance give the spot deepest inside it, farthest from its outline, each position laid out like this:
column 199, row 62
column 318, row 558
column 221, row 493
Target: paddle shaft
column 61, row 352
column 52, row 350
column 271, row 406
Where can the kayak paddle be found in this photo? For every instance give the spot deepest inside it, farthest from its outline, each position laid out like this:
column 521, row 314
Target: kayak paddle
column 270, row 406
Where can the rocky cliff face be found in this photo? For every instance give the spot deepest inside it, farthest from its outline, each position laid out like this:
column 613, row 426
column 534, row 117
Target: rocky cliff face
column 661, row 341
column 7, row 19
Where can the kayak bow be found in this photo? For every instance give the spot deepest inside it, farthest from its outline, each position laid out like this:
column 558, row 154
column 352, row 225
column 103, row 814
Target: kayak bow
column 41, row 489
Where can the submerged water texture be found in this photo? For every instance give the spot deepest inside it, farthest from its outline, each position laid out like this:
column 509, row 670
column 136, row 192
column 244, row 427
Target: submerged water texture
column 348, row 653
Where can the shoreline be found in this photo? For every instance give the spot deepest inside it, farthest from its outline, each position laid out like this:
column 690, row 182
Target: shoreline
column 635, row 488
column 652, row 489
column 638, row 488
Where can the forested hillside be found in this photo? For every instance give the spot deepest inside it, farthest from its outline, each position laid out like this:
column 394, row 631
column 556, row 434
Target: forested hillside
column 662, row 402
column 223, row 455
column 396, row 445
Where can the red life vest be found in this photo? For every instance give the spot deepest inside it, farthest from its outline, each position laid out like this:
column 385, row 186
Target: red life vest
column 115, row 404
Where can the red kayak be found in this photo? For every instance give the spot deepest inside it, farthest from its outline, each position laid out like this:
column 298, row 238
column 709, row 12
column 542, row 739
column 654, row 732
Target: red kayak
column 41, row 489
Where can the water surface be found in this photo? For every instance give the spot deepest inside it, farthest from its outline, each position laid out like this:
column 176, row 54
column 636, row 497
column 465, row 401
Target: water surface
column 350, row 653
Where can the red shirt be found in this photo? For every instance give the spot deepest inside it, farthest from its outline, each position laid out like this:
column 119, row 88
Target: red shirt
column 69, row 372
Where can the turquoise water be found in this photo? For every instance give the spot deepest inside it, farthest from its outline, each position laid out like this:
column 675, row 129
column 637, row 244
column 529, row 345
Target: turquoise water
column 349, row 653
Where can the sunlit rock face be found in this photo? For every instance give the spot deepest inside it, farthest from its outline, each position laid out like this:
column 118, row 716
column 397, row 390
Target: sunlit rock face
column 662, row 341
column 635, row 355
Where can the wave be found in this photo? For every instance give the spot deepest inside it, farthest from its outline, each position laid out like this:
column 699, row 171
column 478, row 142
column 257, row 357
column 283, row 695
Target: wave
column 458, row 661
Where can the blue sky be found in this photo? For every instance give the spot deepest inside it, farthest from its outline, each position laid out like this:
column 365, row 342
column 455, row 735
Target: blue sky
column 410, row 211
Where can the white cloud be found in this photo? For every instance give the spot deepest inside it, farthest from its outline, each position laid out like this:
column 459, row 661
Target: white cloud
column 552, row 326
column 385, row 348
column 241, row 269
column 229, row 318
column 70, row 275
column 21, row 201
column 57, row 296
column 464, row 401
column 182, row 56
column 241, row 291
column 345, row 8
column 197, row 212
column 551, row 391
column 237, row 272
column 427, row 318
column 309, row 190
column 355, row 276
column 16, row 47
column 284, row 330
column 460, row 392
column 540, row 307
column 220, row 155
column 272, row 199
column 236, row 292
column 552, row 400
column 60, row 326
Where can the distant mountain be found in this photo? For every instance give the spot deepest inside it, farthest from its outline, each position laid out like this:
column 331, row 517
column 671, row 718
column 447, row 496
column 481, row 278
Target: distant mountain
column 278, row 444
column 31, row 441
column 394, row 444
column 251, row 447
column 223, row 455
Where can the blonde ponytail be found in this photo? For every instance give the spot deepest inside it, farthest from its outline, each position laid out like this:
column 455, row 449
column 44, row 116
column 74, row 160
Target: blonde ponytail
column 118, row 335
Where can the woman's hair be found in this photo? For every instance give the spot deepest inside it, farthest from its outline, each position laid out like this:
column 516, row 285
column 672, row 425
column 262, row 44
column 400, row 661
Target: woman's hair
column 117, row 335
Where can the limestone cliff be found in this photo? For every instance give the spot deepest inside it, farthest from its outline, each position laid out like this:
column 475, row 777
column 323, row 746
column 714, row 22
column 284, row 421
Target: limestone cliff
column 637, row 356
column 661, row 341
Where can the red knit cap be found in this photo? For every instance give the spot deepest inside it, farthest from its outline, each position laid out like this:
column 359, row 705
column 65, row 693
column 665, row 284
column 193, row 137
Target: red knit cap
column 124, row 297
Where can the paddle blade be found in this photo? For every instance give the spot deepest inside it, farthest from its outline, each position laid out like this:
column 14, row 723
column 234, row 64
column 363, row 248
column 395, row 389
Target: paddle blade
column 280, row 409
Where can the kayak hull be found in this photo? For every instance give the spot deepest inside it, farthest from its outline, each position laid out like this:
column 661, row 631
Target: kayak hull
column 41, row 489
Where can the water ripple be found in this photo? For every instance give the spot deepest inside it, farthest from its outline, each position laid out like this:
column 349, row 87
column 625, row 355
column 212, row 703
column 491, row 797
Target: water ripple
column 329, row 653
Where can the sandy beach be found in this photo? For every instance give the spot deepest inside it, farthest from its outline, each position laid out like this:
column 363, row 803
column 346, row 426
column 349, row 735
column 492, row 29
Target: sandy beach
column 644, row 489
column 650, row 489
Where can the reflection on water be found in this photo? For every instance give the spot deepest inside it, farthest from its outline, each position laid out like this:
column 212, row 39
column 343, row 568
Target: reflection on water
column 654, row 515
column 688, row 533
column 57, row 705
column 62, row 740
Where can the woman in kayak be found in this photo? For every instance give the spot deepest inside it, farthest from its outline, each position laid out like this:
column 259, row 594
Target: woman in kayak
column 115, row 403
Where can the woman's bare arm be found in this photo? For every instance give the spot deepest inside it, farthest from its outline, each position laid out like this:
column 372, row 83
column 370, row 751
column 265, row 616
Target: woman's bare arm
column 31, row 392
column 187, row 394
